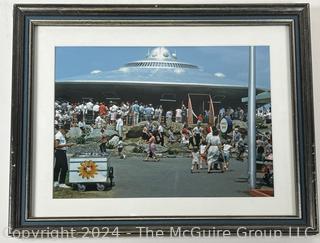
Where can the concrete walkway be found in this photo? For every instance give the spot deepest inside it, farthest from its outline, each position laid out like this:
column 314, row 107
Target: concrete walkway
column 171, row 177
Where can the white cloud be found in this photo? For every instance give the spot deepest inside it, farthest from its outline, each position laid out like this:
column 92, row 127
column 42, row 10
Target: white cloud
column 219, row 75
column 124, row 69
column 95, row 71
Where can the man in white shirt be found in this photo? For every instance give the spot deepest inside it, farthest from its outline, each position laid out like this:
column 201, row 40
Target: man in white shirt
column 178, row 115
column 61, row 165
column 89, row 105
column 124, row 109
column 69, row 106
column 81, row 107
column 168, row 118
column 99, row 122
column 95, row 109
column 161, row 134
column 119, row 126
column 197, row 131
column 268, row 116
column 113, row 113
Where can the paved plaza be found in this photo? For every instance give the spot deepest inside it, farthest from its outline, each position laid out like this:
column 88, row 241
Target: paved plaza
column 170, row 177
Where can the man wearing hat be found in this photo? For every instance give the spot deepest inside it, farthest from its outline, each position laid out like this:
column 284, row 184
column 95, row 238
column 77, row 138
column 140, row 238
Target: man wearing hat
column 61, row 165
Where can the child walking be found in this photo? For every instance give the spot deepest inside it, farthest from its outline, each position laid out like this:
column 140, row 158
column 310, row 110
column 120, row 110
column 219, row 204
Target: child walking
column 120, row 148
column 203, row 156
column 195, row 159
column 226, row 155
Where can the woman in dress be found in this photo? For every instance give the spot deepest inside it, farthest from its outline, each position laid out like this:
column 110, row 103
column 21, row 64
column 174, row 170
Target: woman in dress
column 213, row 149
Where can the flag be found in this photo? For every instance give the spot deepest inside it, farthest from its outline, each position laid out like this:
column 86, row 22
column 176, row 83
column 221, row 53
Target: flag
column 211, row 112
column 190, row 112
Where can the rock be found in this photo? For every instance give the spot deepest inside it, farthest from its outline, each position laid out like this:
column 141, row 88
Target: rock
column 142, row 124
column 134, row 132
column 239, row 124
column 138, row 149
column 110, row 127
column 243, row 131
column 87, row 130
column 176, row 127
column 173, row 151
column 84, row 148
column 129, row 148
column 74, row 132
column 178, row 148
column 113, row 141
column 94, row 135
column 110, row 133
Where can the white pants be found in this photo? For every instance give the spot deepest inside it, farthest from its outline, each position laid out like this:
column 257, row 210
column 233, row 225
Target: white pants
column 135, row 118
column 120, row 131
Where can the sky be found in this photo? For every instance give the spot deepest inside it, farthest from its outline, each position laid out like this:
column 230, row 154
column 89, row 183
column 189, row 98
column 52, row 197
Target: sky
column 230, row 62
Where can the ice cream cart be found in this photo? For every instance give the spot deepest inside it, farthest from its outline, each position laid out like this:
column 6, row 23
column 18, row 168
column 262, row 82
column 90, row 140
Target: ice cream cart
column 90, row 170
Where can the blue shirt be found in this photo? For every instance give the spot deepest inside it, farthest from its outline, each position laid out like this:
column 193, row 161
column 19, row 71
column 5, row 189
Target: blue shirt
column 135, row 108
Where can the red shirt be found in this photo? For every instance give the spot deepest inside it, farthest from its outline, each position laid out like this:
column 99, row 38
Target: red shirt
column 102, row 110
column 185, row 131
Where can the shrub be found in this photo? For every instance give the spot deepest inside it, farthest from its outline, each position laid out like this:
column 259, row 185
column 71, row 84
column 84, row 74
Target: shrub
column 173, row 151
column 81, row 139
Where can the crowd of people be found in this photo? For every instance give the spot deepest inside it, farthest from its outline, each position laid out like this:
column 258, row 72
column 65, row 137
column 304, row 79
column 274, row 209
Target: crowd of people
column 264, row 112
column 204, row 141
column 234, row 114
column 99, row 114
column 208, row 149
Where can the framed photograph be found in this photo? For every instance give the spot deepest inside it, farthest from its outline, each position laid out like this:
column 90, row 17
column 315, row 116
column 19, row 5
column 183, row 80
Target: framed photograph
column 162, row 120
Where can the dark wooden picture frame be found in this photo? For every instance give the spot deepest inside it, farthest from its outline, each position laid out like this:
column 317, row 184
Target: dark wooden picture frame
column 28, row 16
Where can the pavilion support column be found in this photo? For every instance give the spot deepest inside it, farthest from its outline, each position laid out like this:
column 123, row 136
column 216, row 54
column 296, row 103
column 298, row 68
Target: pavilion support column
column 252, row 118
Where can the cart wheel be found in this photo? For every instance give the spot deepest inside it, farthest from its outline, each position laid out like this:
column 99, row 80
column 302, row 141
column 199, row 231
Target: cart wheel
column 100, row 187
column 81, row 187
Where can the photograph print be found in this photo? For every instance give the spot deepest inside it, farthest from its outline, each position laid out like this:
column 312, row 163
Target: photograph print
column 162, row 121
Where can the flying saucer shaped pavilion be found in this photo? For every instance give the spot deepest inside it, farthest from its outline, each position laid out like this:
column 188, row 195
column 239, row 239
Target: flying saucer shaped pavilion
column 159, row 78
